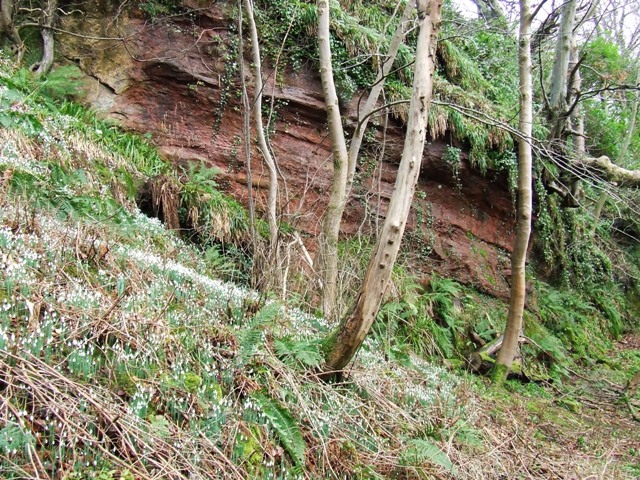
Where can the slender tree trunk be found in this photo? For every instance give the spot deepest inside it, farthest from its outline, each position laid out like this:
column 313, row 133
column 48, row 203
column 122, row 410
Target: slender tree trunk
column 273, row 260
column 602, row 199
column 246, row 126
column 577, row 123
column 557, row 108
column 374, row 95
column 48, row 19
column 342, row 345
column 631, row 130
column 513, row 329
column 344, row 162
column 8, row 28
column 577, row 117
column 327, row 265
column 491, row 11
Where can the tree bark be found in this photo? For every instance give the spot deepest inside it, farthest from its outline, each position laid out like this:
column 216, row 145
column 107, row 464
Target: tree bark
column 577, row 123
column 342, row 345
column 8, row 28
column 490, row 10
column 609, row 171
column 365, row 114
column 344, row 161
column 246, row 128
column 482, row 360
column 557, row 108
column 327, row 264
column 273, row 260
column 48, row 19
column 513, row 329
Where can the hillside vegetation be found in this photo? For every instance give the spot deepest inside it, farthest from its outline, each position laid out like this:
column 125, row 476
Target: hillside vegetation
column 124, row 355
column 132, row 345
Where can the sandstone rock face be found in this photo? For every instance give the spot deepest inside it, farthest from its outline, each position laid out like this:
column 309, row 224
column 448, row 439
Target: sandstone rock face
column 180, row 82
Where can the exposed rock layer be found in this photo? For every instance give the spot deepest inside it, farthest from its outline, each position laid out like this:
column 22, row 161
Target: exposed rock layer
column 179, row 82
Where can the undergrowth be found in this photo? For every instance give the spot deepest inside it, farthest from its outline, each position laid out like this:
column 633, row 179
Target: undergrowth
column 121, row 358
column 124, row 355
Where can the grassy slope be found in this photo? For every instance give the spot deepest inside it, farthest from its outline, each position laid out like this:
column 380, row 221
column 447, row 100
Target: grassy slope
column 122, row 356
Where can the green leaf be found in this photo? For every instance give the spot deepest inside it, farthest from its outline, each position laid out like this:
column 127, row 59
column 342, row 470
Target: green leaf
column 285, row 426
column 160, row 426
column 13, row 438
column 305, row 353
column 420, row 451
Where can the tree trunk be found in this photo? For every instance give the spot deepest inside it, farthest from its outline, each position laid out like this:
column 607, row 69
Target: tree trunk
column 557, row 108
column 365, row 114
column 482, row 360
column 491, row 11
column 513, row 329
column 631, row 130
column 327, row 264
column 344, row 162
column 273, row 260
column 8, row 28
column 604, row 168
column 575, row 193
column 342, row 345
column 246, row 129
column 48, row 19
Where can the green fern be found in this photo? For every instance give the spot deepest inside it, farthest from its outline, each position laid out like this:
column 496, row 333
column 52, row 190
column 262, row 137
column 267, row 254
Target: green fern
column 62, row 82
column 285, row 426
column 250, row 338
column 419, row 451
column 299, row 353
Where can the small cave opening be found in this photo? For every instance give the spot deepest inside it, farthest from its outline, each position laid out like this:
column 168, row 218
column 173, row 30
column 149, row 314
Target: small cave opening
column 160, row 198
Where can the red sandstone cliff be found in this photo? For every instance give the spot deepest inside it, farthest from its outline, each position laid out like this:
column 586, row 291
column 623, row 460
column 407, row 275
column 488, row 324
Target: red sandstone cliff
column 173, row 80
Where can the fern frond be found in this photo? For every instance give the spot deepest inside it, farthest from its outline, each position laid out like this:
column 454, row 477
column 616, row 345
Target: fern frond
column 419, row 451
column 250, row 338
column 285, row 426
column 299, row 353
column 248, row 341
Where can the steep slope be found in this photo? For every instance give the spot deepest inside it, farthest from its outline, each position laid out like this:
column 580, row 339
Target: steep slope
column 124, row 356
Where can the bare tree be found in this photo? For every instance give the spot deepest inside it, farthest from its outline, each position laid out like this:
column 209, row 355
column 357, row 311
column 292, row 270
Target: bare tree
column 273, row 257
column 341, row 346
column 513, row 329
column 46, row 32
column 11, row 30
column 344, row 160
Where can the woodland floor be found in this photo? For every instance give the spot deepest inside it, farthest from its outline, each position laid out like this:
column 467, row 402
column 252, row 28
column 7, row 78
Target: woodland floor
column 576, row 430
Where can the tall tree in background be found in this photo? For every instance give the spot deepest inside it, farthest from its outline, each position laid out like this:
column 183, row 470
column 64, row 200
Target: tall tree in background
column 513, row 328
column 344, row 160
column 342, row 345
column 558, row 101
